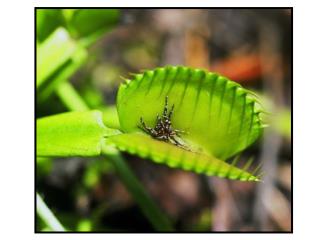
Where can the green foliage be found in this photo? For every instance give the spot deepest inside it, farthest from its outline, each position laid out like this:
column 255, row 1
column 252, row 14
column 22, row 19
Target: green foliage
column 71, row 134
column 219, row 116
column 220, row 119
column 61, row 50
column 282, row 122
column 91, row 21
column 47, row 21
column 85, row 225
column 62, row 37
column 110, row 117
column 53, row 54
column 81, row 23
column 277, row 116
column 44, row 166
column 173, row 156
column 94, row 171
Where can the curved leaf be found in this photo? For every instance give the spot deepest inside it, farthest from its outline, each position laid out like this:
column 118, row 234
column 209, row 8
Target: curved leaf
column 175, row 157
column 220, row 117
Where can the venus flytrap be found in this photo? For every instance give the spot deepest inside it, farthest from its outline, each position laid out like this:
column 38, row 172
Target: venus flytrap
column 214, row 117
column 218, row 116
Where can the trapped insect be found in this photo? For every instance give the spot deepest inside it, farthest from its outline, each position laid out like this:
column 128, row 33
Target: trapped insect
column 163, row 130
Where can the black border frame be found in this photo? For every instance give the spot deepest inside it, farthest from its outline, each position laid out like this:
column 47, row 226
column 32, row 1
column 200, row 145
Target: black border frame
column 35, row 127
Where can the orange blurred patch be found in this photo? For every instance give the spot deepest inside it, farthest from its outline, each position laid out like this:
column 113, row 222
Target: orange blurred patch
column 243, row 68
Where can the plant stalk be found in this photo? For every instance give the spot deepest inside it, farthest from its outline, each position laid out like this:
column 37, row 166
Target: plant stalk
column 157, row 218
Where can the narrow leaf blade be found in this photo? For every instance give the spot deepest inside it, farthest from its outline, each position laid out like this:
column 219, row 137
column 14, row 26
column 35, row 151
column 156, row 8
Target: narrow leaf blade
column 53, row 53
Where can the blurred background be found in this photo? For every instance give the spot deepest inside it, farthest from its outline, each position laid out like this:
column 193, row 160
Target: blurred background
column 96, row 47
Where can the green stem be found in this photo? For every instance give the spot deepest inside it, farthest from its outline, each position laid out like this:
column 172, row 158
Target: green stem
column 47, row 216
column 158, row 219
column 70, row 97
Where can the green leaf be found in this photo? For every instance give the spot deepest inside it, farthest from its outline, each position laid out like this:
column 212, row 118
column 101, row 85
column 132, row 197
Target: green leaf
column 84, row 22
column 161, row 152
column 75, row 62
column 220, row 119
column 110, row 117
column 70, row 97
column 71, row 134
column 47, row 21
column 81, row 23
column 53, row 54
column 157, row 218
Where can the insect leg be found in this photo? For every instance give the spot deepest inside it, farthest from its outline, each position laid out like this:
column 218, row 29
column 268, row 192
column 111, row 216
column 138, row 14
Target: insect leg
column 175, row 141
column 159, row 121
column 171, row 111
column 179, row 144
column 165, row 110
column 162, row 138
column 179, row 132
column 145, row 127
